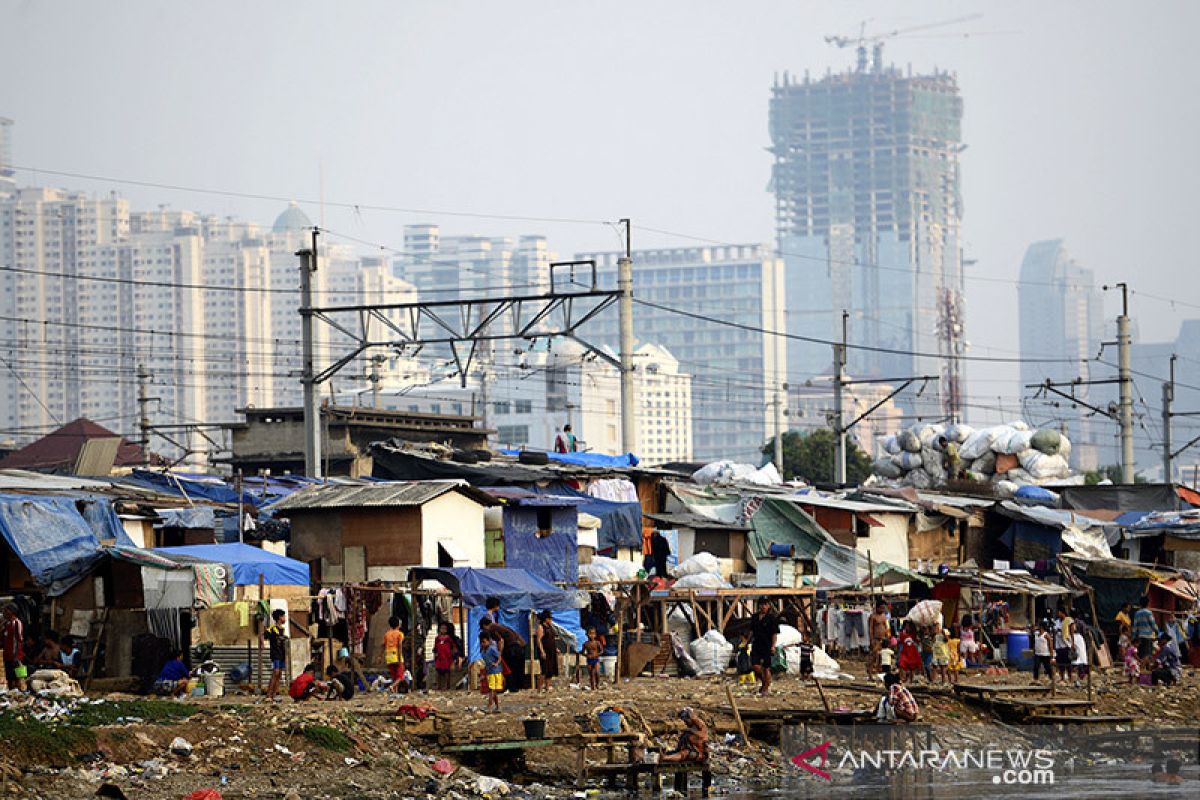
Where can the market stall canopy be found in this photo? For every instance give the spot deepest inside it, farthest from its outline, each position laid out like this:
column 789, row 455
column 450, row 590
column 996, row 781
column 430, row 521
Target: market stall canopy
column 247, row 562
column 1014, row 581
column 517, row 589
column 886, row 573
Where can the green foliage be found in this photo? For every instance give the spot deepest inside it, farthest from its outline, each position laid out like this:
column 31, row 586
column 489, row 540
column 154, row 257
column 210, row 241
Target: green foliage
column 93, row 714
column 33, row 740
column 810, row 456
column 327, row 737
column 1110, row 472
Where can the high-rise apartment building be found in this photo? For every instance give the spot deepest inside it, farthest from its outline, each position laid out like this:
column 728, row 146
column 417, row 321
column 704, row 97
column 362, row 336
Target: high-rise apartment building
column 737, row 373
column 868, row 211
column 7, row 173
column 1061, row 317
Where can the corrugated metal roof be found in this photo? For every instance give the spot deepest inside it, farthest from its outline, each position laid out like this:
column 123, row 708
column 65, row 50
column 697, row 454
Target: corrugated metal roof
column 856, row 506
column 377, row 495
column 24, row 480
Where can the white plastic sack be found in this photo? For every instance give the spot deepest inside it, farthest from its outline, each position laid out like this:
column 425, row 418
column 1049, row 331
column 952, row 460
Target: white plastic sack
column 701, row 580
column 825, row 667
column 885, row 468
column 958, row 433
column 766, row 475
column 908, row 441
column 926, row 612
column 975, row 445
column 1020, row 425
column 1012, row 442
column 919, row 479
column 907, row 460
column 1005, row 489
column 985, row 464
column 699, row 564
column 891, row 446
column 711, row 652
column 788, row 636
column 716, row 472
column 608, row 569
column 1043, row 467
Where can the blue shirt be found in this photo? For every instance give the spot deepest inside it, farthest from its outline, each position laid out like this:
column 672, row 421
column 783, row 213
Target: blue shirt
column 491, row 660
column 173, row 670
column 1144, row 626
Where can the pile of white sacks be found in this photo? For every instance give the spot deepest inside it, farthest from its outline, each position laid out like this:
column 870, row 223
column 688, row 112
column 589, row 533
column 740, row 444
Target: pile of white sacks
column 1010, row 456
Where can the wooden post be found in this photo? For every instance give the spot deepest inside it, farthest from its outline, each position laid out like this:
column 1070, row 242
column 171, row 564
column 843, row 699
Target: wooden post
column 1087, row 654
column 821, row 691
column 617, row 670
column 462, row 629
column 871, row 578
column 737, row 715
column 412, row 633
column 258, row 662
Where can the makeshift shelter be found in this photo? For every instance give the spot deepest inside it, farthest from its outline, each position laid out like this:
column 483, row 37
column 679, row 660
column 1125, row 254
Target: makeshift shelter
column 249, row 564
column 1167, row 536
column 519, row 592
column 540, row 533
column 779, row 520
column 1040, row 534
column 699, row 534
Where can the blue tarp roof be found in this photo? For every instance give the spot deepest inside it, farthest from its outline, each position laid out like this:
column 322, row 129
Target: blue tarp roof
column 248, row 562
column 52, row 539
column 517, row 589
column 621, row 523
column 625, row 460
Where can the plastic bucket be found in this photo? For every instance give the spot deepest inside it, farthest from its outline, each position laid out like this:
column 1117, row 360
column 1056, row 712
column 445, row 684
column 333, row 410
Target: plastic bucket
column 21, row 672
column 1019, row 654
column 608, row 665
column 610, row 721
column 214, row 684
column 779, row 550
column 535, row 728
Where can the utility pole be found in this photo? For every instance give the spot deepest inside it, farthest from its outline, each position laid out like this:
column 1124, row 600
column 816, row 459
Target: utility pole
column 376, row 378
column 1124, row 375
column 312, row 408
column 625, row 307
column 779, row 395
column 143, row 400
column 839, row 430
column 1168, row 396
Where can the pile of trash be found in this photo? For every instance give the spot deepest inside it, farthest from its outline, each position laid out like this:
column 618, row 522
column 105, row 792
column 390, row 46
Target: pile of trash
column 1008, row 456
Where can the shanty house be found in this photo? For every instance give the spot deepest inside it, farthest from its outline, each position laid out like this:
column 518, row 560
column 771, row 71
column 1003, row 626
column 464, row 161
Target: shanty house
column 539, row 533
column 700, row 534
column 377, row 531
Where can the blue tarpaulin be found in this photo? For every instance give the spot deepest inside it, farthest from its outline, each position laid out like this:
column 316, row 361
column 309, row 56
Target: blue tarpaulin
column 519, row 622
column 551, row 553
column 99, row 513
column 52, row 539
column 248, row 562
column 516, row 589
column 625, row 460
column 621, row 523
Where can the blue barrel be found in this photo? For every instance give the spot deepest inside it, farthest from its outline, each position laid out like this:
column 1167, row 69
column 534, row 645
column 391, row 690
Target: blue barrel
column 1020, row 656
column 610, row 721
column 778, row 550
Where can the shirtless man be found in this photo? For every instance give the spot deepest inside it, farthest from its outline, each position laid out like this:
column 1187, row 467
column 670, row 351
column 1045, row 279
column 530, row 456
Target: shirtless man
column 693, row 742
column 877, row 627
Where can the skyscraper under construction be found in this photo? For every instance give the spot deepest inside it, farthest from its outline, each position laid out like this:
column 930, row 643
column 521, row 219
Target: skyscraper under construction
column 868, row 210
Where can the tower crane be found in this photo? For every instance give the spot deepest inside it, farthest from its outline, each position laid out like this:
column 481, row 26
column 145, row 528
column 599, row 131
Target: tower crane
column 876, row 40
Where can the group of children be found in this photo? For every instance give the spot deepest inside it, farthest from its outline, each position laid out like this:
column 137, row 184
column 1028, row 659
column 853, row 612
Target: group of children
column 936, row 654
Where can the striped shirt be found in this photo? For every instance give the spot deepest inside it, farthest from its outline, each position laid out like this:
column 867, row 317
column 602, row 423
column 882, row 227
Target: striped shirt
column 1144, row 626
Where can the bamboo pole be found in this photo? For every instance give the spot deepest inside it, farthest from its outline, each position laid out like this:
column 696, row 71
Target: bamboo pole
column 737, row 715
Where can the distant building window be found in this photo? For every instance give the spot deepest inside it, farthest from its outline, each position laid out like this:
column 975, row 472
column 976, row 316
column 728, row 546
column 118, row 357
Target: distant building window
column 524, row 406
column 503, row 407
column 513, row 434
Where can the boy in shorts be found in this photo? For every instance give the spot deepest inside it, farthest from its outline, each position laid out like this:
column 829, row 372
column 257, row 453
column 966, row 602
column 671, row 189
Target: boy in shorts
column 592, row 649
column 277, row 638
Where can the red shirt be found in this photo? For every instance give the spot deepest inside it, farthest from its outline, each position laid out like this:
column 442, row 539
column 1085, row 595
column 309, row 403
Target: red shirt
column 14, row 640
column 301, row 685
column 444, row 651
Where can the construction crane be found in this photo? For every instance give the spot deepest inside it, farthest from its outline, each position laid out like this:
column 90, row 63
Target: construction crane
column 876, row 41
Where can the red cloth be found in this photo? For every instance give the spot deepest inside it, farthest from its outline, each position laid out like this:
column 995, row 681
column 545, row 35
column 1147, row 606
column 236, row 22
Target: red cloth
column 416, row 712
column 204, row 794
column 14, row 640
column 910, row 656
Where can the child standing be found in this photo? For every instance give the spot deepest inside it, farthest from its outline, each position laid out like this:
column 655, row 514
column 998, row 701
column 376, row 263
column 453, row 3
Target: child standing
column 1079, row 655
column 968, row 648
column 445, row 653
column 492, row 670
column 1041, row 650
column 592, row 649
column 1133, row 667
column 941, row 656
column 910, row 656
column 393, row 649
column 277, row 638
column 745, row 671
column 887, row 656
column 806, row 659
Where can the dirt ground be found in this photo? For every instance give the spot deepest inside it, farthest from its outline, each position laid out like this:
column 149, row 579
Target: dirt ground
column 248, row 749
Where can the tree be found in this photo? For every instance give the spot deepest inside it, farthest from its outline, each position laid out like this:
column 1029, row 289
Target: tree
column 810, row 456
column 1111, row 472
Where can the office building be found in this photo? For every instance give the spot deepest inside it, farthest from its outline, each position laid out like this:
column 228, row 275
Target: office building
column 868, row 219
column 737, row 373
column 1061, row 317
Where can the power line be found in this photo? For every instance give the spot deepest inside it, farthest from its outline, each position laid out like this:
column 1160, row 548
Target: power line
column 356, row 207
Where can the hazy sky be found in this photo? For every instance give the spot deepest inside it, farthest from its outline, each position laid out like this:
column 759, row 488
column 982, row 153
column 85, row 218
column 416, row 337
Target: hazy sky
column 1081, row 120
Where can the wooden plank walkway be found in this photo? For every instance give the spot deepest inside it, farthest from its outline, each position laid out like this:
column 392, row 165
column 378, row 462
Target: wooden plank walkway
column 984, row 689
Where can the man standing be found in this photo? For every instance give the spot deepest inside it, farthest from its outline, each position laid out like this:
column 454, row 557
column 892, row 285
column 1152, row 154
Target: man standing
column 12, row 637
column 1064, row 643
column 1145, row 632
column 660, row 549
column 880, row 632
column 764, row 633
column 566, row 442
